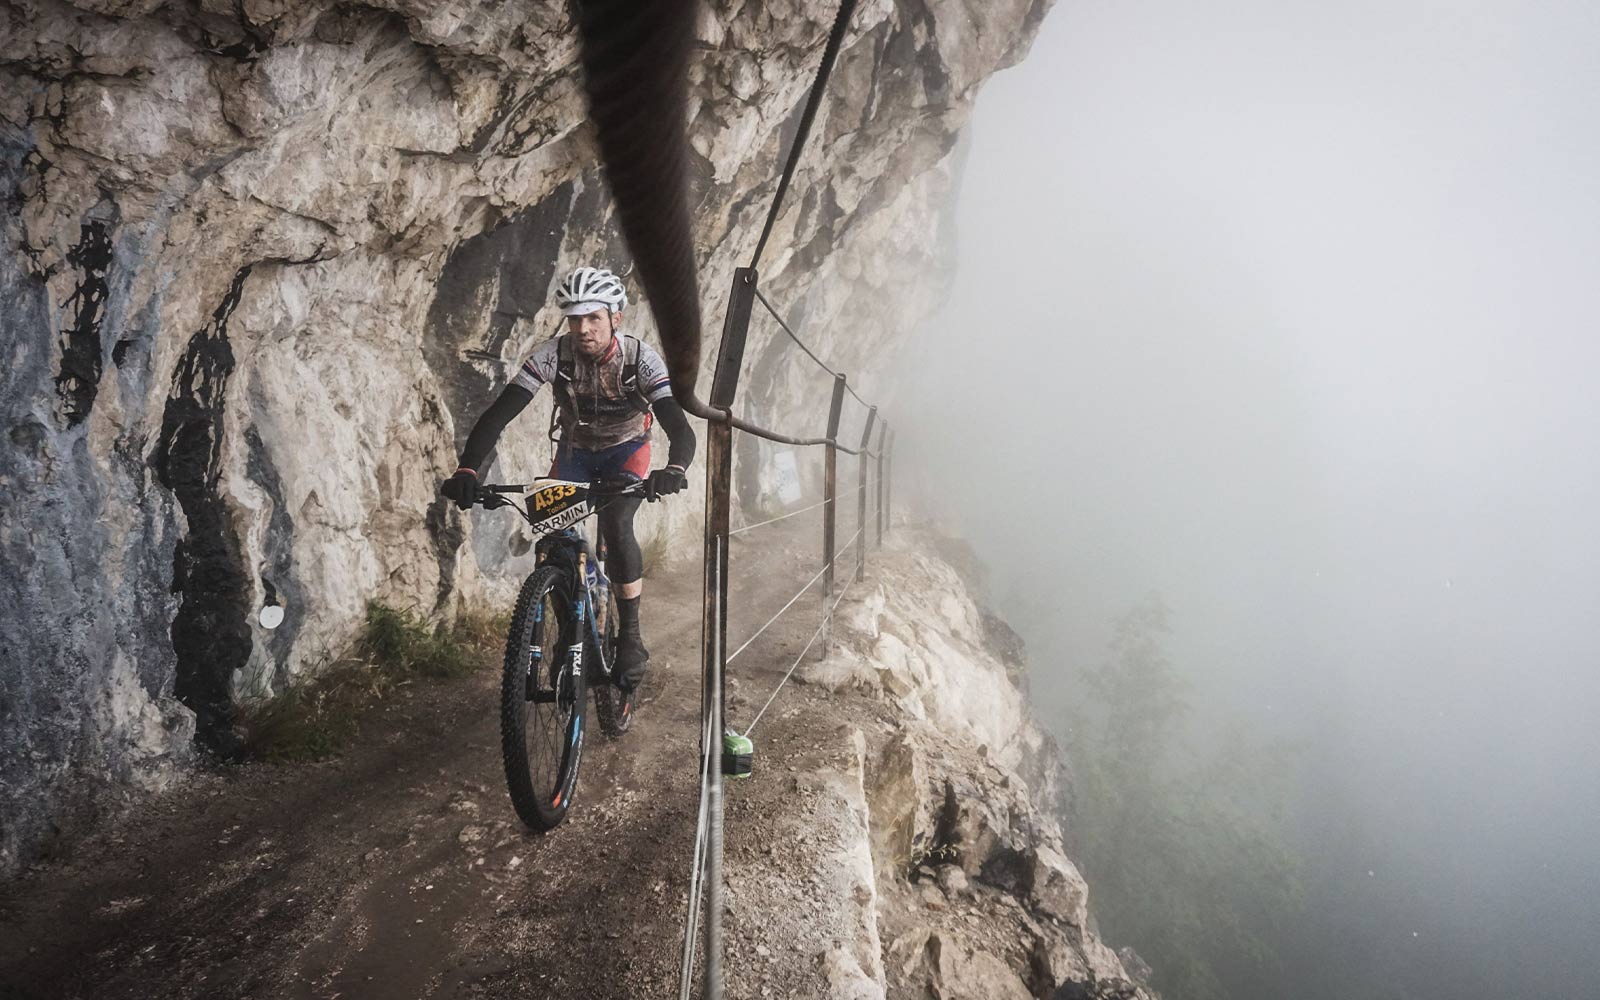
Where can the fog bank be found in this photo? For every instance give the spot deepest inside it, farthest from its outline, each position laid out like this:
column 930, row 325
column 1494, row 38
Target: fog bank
column 1287, row 312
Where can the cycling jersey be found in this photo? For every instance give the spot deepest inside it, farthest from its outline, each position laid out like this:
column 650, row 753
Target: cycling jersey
column 596, row 409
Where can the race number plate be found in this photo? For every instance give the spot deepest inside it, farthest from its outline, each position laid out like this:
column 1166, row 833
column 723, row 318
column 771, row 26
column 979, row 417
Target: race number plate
column 557, row 506
column 556, row 497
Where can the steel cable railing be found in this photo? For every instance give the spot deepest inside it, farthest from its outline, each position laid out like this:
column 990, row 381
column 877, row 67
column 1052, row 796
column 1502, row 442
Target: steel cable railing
column 787, row 605
column 707, row 866
column 802, row 344
column 784, row 517
column 797, row 660
column 691, row 922
column 781, row 517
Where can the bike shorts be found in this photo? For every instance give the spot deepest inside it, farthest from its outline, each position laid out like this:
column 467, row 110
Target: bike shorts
column 628, row 460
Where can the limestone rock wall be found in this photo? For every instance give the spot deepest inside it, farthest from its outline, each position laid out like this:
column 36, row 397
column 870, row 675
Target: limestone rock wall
column 264, row 261
column 942, row 868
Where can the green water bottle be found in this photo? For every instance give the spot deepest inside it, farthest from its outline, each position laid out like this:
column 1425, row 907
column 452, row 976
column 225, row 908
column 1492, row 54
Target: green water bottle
column 738, row 755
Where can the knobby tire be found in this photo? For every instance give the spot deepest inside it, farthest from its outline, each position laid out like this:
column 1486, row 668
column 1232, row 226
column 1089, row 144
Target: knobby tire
column 542, row 789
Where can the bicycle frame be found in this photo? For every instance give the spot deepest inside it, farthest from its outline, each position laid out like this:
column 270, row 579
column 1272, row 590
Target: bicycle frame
column 554, row 513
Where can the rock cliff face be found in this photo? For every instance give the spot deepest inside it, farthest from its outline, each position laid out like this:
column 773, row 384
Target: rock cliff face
column 265, row 260
column 919, row 851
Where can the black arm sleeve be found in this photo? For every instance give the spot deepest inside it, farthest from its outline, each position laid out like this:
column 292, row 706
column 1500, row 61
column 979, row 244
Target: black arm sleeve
column 487, row 430
column 680, row 436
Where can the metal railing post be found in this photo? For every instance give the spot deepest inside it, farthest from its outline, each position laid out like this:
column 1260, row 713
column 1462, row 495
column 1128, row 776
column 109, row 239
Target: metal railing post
column 883, row 436
column 861, row 497
column 888, row 485
column 830, row 512
column 714, row 620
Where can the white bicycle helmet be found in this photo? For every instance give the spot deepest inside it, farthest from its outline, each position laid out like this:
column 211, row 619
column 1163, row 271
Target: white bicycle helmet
column 590, row 289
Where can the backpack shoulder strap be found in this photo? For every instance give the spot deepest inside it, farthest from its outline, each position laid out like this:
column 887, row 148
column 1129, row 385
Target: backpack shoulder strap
column 566, row 397
column 564, row 360
column 630, row 374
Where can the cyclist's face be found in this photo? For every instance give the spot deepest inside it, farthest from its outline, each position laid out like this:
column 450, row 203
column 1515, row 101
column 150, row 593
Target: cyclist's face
column 592, row 331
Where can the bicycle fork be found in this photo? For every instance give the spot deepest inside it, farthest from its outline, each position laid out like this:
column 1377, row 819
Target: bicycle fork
column 574, row 659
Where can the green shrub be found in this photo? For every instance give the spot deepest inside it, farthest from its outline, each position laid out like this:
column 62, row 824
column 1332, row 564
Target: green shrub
column 318, row 718
column 400, row 643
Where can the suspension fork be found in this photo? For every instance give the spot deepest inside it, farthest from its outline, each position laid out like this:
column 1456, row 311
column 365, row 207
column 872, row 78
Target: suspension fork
column 582, row 601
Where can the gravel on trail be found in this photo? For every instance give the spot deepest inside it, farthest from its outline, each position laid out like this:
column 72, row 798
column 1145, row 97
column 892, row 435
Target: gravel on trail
column 399, row 869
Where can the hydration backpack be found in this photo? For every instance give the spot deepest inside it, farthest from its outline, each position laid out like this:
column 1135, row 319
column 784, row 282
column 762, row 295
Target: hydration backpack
column 566, row 366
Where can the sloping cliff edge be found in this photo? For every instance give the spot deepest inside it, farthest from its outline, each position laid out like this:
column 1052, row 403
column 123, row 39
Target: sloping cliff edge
column 264, row 262
column 904, row 839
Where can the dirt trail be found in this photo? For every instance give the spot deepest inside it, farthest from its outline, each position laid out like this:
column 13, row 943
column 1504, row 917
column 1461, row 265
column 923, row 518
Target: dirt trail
column 400, row 870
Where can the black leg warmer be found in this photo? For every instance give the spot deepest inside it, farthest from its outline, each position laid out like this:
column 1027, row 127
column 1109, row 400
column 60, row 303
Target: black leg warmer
column 624, row 561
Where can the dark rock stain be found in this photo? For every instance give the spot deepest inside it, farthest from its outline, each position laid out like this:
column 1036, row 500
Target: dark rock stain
column 506, row 103
column 591, row 212
column 210, row 633
column 1006, row 869
column 513, row 261
column 446, row 529
column 82, row 357
column 828, row 222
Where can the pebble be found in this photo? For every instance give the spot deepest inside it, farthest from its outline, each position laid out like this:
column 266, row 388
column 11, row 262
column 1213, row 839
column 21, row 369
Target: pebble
column 952, row 878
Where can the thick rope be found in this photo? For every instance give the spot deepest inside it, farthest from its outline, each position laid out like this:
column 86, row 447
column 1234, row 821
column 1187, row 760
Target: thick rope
column 635, row 58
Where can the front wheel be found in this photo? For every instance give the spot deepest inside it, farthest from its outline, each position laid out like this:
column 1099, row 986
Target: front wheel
column 542, row 701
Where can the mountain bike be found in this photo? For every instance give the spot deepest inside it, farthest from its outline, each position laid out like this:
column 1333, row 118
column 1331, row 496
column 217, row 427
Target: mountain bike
column 563, row 631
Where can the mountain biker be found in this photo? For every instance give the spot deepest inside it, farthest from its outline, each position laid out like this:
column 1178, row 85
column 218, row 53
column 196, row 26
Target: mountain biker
column 608, row 387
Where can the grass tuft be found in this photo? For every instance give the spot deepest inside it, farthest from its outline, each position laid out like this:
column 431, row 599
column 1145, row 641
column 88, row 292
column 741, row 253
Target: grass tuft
column 396, row 647
column 654, row 551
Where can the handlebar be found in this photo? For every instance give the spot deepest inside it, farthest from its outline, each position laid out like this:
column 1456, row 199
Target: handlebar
column 599, row 491
column 492, row 495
